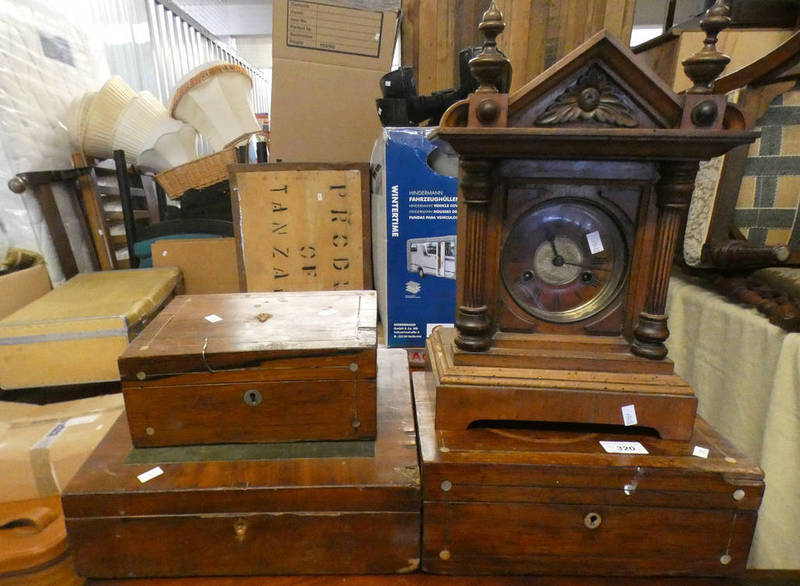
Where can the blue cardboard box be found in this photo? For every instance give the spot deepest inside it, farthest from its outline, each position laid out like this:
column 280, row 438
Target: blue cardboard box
column 414, row 209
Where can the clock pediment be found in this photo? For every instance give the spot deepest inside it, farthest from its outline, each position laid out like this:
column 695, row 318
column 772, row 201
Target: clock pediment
column 601, row 84
column 593, row 99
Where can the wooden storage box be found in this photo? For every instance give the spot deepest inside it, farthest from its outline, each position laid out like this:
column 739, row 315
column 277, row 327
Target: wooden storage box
column 309, row 508
column 254, row 367
column 524, row 501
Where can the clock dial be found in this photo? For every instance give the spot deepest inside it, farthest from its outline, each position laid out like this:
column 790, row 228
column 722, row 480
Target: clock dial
column 564, row 260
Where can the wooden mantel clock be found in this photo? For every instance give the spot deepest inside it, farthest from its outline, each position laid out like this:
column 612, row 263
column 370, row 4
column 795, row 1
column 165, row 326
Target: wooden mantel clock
column 573, row 196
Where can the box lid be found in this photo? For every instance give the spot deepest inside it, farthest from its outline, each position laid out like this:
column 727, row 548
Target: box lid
column 557, row 465
column 385, row 479
column 200, row 333
column 101, row 304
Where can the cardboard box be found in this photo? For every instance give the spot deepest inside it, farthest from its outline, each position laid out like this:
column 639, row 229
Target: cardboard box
column 19, row 288
column 326, row 78
column 75, row 333
column 208, row 265
column 42, row 446
column 414, row 211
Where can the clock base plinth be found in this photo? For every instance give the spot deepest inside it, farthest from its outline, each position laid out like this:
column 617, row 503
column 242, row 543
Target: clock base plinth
column 513, row 383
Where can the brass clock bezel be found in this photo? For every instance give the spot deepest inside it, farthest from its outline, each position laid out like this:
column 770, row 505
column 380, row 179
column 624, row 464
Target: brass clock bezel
column 617, row 224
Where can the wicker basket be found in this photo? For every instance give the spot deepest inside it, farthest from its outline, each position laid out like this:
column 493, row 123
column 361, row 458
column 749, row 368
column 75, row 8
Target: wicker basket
column 197, row 174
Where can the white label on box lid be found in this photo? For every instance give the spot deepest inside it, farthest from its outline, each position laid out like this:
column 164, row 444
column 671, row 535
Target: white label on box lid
column 430, row 327
column 614, row 447
column 150, row 474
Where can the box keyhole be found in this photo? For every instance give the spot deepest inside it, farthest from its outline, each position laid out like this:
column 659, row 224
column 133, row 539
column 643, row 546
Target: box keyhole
column 252, row 397
column 592, row 520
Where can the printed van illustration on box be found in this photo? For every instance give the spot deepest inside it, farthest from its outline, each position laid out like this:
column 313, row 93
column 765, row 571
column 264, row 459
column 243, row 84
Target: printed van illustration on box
column 414, row 209
column 435, row 256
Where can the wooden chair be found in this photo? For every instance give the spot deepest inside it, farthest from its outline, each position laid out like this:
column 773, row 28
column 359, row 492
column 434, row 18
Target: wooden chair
column 126, row 211
column 41, row 185
column 100, row 197
column 747, row 203
column 754, row 221
column 106, row 193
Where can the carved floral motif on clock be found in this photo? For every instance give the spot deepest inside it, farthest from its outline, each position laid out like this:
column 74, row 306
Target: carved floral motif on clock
column 593, row 97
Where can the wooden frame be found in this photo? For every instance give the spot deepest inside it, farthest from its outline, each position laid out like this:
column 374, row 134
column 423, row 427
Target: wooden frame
column 287, row 257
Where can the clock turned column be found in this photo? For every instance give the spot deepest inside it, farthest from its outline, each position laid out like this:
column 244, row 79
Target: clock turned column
column 472, row 314
column 488, row 108
column 674, row 189
column 674, row 192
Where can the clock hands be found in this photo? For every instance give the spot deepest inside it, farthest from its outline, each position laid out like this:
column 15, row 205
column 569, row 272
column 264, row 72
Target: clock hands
column 558, row 260
column 562, row 272
column 551, row 238
column 587, row 267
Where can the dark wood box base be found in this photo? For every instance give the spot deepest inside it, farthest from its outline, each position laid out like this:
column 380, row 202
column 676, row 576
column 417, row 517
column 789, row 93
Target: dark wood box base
column 563, row 383
column 519, row 500
column 304, row 514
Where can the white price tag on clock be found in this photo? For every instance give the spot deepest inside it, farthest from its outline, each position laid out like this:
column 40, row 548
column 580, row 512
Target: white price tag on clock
column 623, row 447
column 629, row 415
column 595, row 242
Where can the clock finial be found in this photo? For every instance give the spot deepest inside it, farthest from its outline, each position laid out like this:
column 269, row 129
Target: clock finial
column 491, row 63
column 704, row 66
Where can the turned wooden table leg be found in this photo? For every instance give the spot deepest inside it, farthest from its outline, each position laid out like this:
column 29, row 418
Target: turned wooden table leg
column 472, row 314
column 674, row 192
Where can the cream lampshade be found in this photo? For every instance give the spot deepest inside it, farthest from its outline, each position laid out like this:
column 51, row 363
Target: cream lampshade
column 137, row 122
column 172, row 143
column 215, row 98
column 77, row 118
column 102, row 115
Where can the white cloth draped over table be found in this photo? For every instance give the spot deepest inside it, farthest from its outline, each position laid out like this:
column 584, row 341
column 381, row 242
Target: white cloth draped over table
column 746, row 375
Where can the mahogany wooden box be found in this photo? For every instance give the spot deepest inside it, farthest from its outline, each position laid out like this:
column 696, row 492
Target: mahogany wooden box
column 254, row 367
column 305, row 508
column 522, row 501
